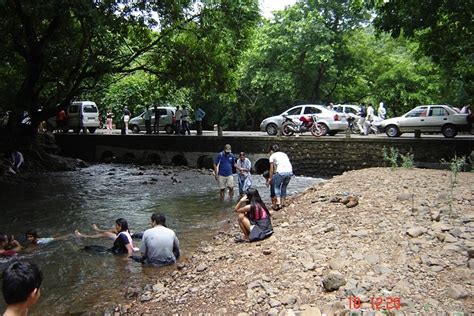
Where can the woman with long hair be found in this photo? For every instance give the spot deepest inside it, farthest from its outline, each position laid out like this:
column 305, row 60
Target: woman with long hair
column 123, row 243
column 253, row 217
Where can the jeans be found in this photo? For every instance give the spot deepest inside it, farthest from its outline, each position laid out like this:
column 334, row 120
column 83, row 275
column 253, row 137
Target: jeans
column 281, row 181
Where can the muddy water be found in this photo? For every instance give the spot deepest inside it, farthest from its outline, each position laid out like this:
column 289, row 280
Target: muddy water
column 55, row 204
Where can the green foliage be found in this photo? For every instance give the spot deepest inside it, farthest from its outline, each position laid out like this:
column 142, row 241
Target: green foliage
column 408, row 160
column 391, row 157
column 444, row 30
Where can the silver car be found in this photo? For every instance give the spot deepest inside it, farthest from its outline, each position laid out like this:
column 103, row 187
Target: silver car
column 167, row 119
column 329, row 119
column 426, row 119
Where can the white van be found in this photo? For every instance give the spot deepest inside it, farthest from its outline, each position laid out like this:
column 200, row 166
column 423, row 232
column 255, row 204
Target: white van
column 85, row 110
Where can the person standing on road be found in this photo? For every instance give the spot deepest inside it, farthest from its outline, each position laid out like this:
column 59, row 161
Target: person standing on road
column 126, row 119
column 362, row 118
column 147, row 119
column 382, row 112
column 184, row 121
column 223, row 164
column 243, row 166
column 159, row 246
column 156, row 122
column 177, row 122
column 369, row 119
column 281, row 172
column 110, row 116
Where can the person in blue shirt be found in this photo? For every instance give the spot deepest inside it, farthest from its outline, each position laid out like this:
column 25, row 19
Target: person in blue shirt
column 223, row 164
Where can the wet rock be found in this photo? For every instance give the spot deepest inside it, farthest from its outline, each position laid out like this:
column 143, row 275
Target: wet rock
column 457, row 292
column 333, row 281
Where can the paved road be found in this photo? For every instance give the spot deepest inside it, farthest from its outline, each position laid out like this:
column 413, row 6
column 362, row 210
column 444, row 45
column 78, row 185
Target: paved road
column 306, row 135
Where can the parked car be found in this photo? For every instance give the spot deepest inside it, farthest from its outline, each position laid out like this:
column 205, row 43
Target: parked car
column 86, row 111
column 330, row 120
column 427, row 119
column 167, row 118
column 347, row 109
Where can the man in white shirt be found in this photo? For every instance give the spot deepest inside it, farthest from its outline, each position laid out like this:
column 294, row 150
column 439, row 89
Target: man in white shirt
column 281, row 172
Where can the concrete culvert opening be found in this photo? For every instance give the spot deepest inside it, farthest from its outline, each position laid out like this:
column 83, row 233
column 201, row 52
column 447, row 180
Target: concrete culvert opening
column 129, row 158
column 154, row 158
column 179, row 160
column 205, row 162
column 262, row 165
column 107, row 157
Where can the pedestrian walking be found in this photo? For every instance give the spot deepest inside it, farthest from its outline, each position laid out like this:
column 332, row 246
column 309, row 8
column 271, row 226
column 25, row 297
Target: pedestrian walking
column 243, row 166
column 126, row 119
column 156, row 121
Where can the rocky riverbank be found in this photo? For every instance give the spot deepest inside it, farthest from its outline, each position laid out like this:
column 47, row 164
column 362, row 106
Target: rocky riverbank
column 407, row 242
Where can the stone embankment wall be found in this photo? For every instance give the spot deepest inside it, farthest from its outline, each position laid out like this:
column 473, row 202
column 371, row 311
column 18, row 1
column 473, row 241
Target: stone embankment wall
column 326, row 156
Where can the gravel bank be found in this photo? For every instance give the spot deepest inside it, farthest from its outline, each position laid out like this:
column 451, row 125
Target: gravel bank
column 404, row 239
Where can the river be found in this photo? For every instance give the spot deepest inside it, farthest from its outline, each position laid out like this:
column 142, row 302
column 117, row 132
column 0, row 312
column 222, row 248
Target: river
column 55, row 204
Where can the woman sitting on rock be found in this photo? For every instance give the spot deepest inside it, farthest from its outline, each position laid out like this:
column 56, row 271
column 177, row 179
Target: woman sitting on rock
column 254, row 217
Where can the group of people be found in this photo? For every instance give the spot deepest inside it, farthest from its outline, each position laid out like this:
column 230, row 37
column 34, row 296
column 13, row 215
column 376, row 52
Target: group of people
column 367, row 116
column 253, row 215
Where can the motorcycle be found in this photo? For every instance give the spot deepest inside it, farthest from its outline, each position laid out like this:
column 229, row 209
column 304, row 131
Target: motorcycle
column 371, row 125
column 302, row 125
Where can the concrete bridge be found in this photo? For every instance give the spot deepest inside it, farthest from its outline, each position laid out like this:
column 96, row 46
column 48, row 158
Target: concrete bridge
column 325, row 156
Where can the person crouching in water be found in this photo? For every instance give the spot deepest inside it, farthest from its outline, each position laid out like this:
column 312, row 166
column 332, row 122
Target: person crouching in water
column 123, row 243
column 254, row 217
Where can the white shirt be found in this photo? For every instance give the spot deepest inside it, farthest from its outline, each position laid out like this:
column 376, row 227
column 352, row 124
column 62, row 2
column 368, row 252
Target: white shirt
column 370, row 112
column 281, row 162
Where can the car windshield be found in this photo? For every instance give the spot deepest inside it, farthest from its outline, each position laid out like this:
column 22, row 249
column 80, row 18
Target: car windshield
column 90, row 108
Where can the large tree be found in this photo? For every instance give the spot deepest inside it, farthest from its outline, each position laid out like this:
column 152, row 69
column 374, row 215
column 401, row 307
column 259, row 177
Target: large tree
column 55, row 50
column 444, row 29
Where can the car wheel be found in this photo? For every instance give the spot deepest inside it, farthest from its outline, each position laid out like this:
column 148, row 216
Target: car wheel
column 91, row 130
column 324, row 129
column 287, row 129
column 272, row 129
column 392, row 131
column 135, row 129
column 449, row 131
column 169, row 129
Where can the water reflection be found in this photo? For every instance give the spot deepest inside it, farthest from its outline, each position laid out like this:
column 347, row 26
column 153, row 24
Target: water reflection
column 56, row 204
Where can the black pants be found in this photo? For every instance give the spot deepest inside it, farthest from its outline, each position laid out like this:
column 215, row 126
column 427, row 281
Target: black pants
column 148, row 126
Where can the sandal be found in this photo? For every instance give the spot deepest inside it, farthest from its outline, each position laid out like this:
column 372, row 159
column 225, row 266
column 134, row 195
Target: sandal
column 238, row 239
column 277, row 207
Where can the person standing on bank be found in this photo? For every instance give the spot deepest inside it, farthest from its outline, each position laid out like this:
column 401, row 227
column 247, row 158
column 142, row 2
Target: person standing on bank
column 159, row 246
column 147, row 119
column 281, row 172
column 156, row 122
column 223, row 164
column 126, row 118
column 243, row 166
column 110, row 116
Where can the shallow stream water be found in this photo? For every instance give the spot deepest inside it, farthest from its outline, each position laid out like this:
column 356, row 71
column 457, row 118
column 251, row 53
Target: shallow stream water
column 55, row 204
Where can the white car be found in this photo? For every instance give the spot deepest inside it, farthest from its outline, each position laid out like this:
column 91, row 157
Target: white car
column 426, row 119
column 347, row 110
column 167, row 120
column 332, row 121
